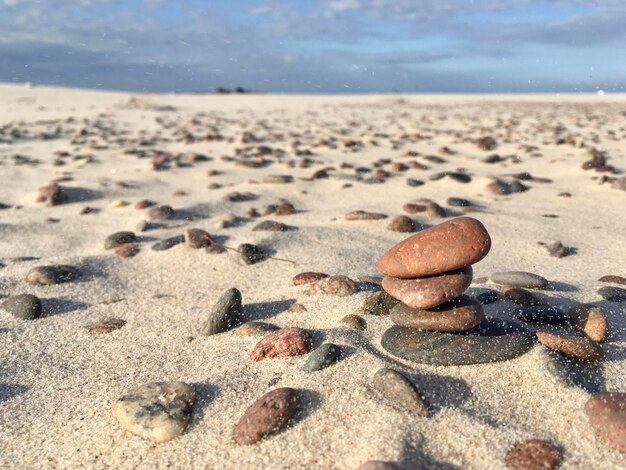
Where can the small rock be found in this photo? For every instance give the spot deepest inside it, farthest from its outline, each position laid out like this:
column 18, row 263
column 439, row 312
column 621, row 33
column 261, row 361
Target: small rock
column 162, row 212
column 127, row 250
column 278, row 179
column 521, row 296
column 106, row 326
column 52, row 195
column 589, row 320
column 486, row 143
column 341, row 286
column 558, row 250
column 284, row 208
column 255, row 328
column 607, row 415
column 459, row 314
column 378, row 303
column 119, row 238
column 168, row 243
column 251, row 254
column 363, row 215
column 119, row 203
column 197, row 238
column 533, row 454
column 225, row 314
column 307, row 277
column 541, row 314
column 322, row 357
column 282, row 343
column 401, row 223
column 266, row 416
column 400, row 392
column 24, row 306
column 458, row 202
column 612, row 293
column 459, row 177
column 270, row 226
column 158, row 411
column 49, row 275
column 354, row 321
column 411, row 208
column 297, row 308
column 144, row 204
column 519, row 279
column 435, row 210
column 614, row 279
column 414, row 183
column 576, row 346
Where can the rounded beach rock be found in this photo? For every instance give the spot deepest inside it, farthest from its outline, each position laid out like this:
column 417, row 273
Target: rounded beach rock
column 460, row 314
column 533, row 454
column 607, row 415
column 282, row 343
column 428, row 292
column 158, row 411
column 197, row 238
column 24, row 306
column 119, row 238
column 399, row 391
column 445, row 247
column 590, row 320
column 575, row 346
column 322, row 357
column 225, row 314
column 50, row 275
column 266, row 416
column 519, row 279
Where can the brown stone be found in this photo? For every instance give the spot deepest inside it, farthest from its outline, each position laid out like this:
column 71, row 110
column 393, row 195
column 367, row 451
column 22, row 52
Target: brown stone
column 401, row 223
column 533, row 454
column 119, row 238
column 607, row 415
column 575, row 346
column 411, row 208
column 285, row 208
column 106, row 326
column 52, row 194
column 613, row 279
column 307, row 277
column 521, row 296
column 378, row 303
column 197, row 238
column 435, row 210
column 341, row 286
column 428, row 292
column 460, row 314
column 49, row 275
column 297, row 308
column 282, row 343
column 363, row 215
column 127, row 250
column 162, row 212
column 266, row 416
column 445, row 247
column 144, row 204
column 589, row 320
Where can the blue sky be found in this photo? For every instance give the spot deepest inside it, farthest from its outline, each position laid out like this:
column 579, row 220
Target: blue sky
column 313, row 46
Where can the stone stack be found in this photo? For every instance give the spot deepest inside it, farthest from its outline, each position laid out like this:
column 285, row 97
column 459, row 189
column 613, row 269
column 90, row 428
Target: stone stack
column 435, row 322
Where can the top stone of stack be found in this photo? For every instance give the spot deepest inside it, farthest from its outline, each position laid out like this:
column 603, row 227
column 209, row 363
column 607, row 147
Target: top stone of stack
column 445, row 247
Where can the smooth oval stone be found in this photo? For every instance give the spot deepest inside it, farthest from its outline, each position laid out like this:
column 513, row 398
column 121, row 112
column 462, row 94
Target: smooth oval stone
column 458, row 202
column 285, row 342
column 533, row 454
column 541, row 314
column 24, row 306
column 521, row 296
column 119, row 238
column 127, row 250
column 612, row 293
column 491, row 341
column 363, row 215
column 614, row 279
column 322, row 357
column 378, row 303
column 519, row 279
column 445, row 247
column 162, row 212
column 589, row 320
column 401, row 223
column 251, row 254
column 459, row 177
column 414, row 183
column 158, row 411
column 341, row 286
column 460, row 314
column 607, row 415
column 307, row 277
column 354, row 321
column 255, row 328
column 266, row 416
column 399, row 391
column 227, row 313
column 576, row 346
column 428, row 292
column 487, row 297
column 270, row 226
column 50, row 275
column 197, row 238
column 168, row 243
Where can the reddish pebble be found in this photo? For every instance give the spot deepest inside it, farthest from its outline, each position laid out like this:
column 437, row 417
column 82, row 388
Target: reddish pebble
column 307, row 278
column 533, row 454
column 127, row 250
column 144, row 204
column 413, row 208
column 613, row 279
column 282, row 343
column 607, row 415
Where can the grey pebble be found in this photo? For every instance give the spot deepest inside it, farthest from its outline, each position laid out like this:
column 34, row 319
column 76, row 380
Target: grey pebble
column 322, row 357
column 225, row 314
column 519, row 279
column 168, row 243
column 399, row 391
column 24, row 306
column 613, row 293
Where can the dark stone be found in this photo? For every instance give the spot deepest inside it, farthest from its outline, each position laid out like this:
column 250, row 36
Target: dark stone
column 270, row 226
column 119, row 238
column 400, row 392
column 227, row 313
column 168, row 243
column 322, row 357
column 24, row 306
column 49, row 275
column 612, row 293
column 458, row 202
column 251, row 254
column 414, row 183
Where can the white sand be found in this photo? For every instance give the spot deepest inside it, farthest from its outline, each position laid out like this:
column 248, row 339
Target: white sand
column 58, row 382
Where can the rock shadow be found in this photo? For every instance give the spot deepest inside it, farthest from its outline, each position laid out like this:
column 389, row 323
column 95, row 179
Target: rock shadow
column 561, row 287
column 9, row 391
column 310, row 402
column 206, row 393
column 575, row 372
column 60, row 305
column 440, row 391
column 264, row 310
column 80, row 195
column 414, row 458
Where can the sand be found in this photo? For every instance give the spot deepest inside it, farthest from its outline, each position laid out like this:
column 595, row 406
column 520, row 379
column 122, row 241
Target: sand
column 58, row 382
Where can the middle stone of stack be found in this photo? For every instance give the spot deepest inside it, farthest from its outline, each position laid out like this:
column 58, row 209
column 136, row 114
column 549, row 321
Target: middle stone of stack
column 429, row 271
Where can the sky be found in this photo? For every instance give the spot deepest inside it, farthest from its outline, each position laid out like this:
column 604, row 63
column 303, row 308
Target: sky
column 317, row 46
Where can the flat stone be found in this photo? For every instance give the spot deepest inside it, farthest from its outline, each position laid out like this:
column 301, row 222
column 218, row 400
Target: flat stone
column 278, row 179
column 401, row 223
column 411, row 208
column 378, row 303
column 282, row 343
column 226, row 314
column 197, row 238
column 414, row 183
column 541, row 314
column 106, row 326
column 267, row 415
column 607, row 415
column 487, row 297
column 613, row 279
column 24, row 306
column 162, row 212
column 363, row 215
column 521, row 296
column 251, row 254
column 322, row 357
column 612, row 293
column 119, row 238
column 270, row 226
column 399, row 392
column 50, row 275
column 341, row 286
column 589, row 320
column 533, row 454
column 159, row 411
column 354, row 321
column 460, row 314
column 255, row 328
column 493, row 340
column 168, row 243
column 519, row 279
column 307, row 277
column 445, row 247
column 458, row 202
column 427, row 292
column 576, row 346
column 127, row 250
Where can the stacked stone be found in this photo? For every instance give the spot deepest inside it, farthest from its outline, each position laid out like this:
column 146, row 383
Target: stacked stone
column 434, row 322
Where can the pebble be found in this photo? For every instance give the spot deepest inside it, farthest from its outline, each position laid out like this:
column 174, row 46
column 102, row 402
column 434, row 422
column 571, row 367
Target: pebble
column 168, row 243
column 270, row 226
column 297, row 308
column 378, row 303
column 533, row 454
column 159, row 411
column 458, row 202
column 162, row 212
column 341, row 286
column 401, row 223
column 119, row 238
column 322, row 357
column 576, row 346
column 284, row 208
column 435, row 210
column 612, row 293
column 614, row 279
column 307, row 277
column 363, row 215
column 607, row 415
column 49, row 275
column 493, row 340
column 267, row 415
column 225, row 314
column 251, row 254
column 590, row 320
column 24, row 306
column 428, row 292
column 197, row 238
column 460, row 314
column 541, row 314
column 278, row 179
column 487, row 297
column 119, row 203
column 106, row 326
column 519, row 279
column 127, row 250
column 411, row 208
column 400, row 392
column 414, row 183
column 255, row 328
column 144, row 204
column 521, row 296
column 445, row 247
column 558, row 250
column 354, row 321
column 282, row 343
column 52, row 195
column 459, row 177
